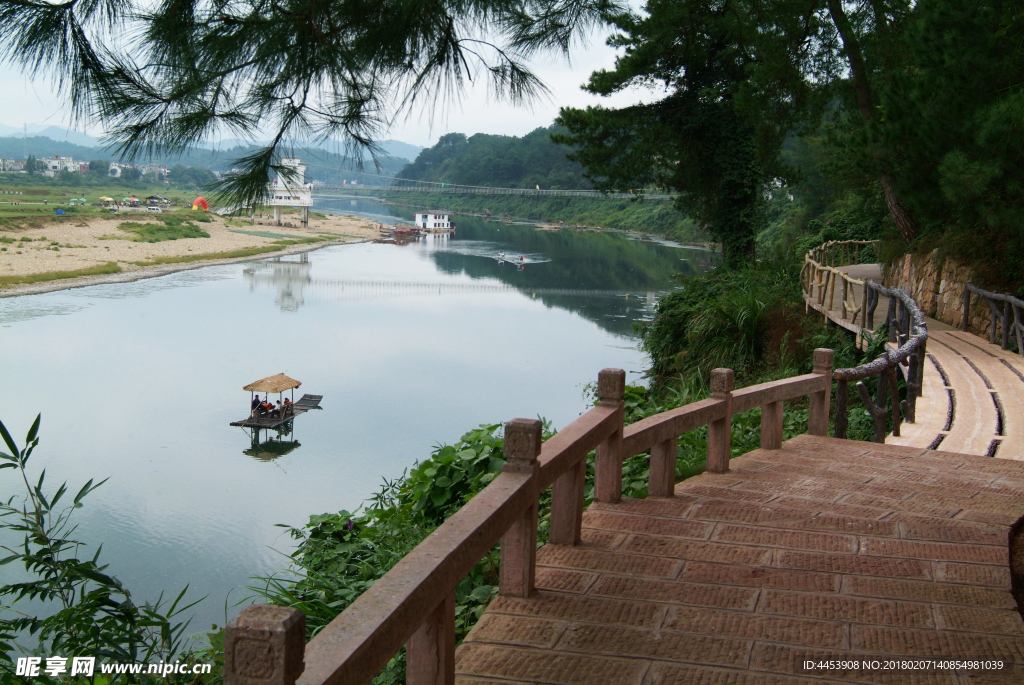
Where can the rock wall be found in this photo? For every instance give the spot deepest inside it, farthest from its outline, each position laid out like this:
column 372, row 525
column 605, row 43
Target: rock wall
column 937, row 285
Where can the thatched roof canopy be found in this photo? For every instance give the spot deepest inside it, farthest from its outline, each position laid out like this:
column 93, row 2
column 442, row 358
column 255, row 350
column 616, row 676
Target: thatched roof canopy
column 278, row 383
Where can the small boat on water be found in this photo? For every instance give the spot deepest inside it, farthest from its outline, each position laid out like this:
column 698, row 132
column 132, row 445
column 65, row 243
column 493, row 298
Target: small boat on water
column 263, row 414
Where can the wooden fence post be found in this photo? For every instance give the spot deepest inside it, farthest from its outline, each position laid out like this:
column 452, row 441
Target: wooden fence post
column 519, row 545
column 965, row 313
column 817, row 414
column 265, row 645
column 720, row 431
column 842, row 400
column 611, row 386
column 430, row 652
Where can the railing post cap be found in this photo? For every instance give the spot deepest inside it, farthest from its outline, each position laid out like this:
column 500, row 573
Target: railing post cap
column 265, row 645
column 611, row 385
column 823, row 359
column 522, row 444
column 722, row 381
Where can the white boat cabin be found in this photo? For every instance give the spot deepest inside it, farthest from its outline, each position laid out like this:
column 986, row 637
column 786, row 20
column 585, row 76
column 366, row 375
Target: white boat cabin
column 429, row 221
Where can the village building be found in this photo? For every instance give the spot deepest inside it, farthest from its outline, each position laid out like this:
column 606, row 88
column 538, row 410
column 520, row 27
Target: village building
column 57, row 164
column 117, row 167
column 434, row 221
column 154, row 169
column 290, row 189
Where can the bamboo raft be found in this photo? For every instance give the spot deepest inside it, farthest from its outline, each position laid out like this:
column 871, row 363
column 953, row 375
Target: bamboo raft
column 276, row 384
column 305, row 403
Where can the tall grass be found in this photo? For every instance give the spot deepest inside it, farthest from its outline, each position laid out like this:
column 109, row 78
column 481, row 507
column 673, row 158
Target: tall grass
column 106, row 268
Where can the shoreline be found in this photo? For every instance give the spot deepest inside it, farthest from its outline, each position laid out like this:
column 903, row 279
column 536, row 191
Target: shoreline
column 98, row 250
column 156, row 271
column 540, row 225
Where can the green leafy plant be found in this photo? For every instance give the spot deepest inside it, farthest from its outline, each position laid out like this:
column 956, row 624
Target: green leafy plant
column 70, row 605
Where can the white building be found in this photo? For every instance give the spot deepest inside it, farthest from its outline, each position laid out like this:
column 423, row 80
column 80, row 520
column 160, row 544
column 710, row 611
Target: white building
column 55, row 165
column 117, row 167
column 434, row 221
column 155, row 169
column 290, row 189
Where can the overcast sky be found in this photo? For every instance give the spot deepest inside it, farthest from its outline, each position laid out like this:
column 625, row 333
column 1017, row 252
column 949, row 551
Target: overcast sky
column 36, row 101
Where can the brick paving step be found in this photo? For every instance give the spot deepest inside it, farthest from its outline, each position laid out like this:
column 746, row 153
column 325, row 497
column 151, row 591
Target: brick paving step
column 824, row 549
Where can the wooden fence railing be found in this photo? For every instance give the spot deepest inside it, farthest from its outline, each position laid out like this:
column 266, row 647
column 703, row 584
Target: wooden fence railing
column 1000, row 314
column 414, row 603
column 905, row 322
column 821, row 272
column 907, row 328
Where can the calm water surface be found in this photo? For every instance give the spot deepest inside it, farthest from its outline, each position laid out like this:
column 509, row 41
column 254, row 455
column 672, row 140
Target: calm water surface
column 409, row 345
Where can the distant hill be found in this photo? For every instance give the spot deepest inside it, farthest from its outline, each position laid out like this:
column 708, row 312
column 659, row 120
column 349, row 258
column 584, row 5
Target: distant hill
column 322, row 165
column 57, row 133
column 501, row 161
column 392, row 148
column 41, row 146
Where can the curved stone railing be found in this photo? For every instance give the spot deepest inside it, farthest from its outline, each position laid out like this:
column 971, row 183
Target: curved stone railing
column 414, row 603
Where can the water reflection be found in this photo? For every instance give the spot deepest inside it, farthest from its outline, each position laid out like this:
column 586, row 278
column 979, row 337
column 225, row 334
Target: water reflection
column 269, row 444
column 288, row 278
column 434, row 338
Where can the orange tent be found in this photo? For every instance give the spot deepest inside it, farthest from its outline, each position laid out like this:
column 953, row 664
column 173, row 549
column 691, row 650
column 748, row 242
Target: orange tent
column 200, row 202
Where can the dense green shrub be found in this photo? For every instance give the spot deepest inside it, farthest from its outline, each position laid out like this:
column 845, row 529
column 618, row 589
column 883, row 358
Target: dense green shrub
column 69, row 604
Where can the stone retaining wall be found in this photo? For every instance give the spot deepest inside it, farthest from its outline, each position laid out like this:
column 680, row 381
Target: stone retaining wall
column 937, row 285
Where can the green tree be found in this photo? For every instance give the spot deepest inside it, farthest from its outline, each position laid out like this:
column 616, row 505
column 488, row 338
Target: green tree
column 305, row 70
column 736, row 85
column 99, row 168
column 504, row 161
column 130, row 174
column 30, row 165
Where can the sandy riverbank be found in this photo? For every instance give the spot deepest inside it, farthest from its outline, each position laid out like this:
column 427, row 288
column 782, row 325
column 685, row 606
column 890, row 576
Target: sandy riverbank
column 96, row 243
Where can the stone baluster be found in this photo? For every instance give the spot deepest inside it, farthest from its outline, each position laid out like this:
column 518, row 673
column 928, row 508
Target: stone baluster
column 817, row 415
column 519, row 545
column 430, row 652
column 265, row 645
column 611, row 387
column 720, row 430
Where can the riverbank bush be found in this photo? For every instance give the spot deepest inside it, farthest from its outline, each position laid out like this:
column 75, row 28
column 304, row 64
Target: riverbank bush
column 339, row 556
column 648, row 216
column 67, row 602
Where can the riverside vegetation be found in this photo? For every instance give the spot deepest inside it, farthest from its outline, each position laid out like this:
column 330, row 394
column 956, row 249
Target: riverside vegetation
column 750, row 320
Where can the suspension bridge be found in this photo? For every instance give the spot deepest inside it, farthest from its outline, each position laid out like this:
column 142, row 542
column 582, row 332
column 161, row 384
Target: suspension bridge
column 394, row 184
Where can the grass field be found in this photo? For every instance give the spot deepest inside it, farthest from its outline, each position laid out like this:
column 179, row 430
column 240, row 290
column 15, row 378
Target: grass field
column 234, row 254
column 38, row 204
column 171, row 227
column 108, row 268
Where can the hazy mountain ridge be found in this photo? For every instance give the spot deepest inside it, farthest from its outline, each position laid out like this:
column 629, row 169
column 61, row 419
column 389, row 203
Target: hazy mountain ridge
column 391, row 148
column 323, row 165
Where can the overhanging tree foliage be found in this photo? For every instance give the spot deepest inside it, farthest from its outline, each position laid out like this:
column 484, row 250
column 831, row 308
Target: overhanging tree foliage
column 736, row 80
column 167, row 75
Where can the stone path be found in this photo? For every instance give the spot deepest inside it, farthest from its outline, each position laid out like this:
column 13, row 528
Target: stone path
column 825, row 549
column 973, row 391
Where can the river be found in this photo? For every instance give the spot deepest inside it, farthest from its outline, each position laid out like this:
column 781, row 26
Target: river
column 410, row 346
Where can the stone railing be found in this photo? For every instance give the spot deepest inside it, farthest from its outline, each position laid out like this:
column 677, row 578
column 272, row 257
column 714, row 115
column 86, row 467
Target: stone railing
column 821, row 272
column 1003, row 307
column 414, row 603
